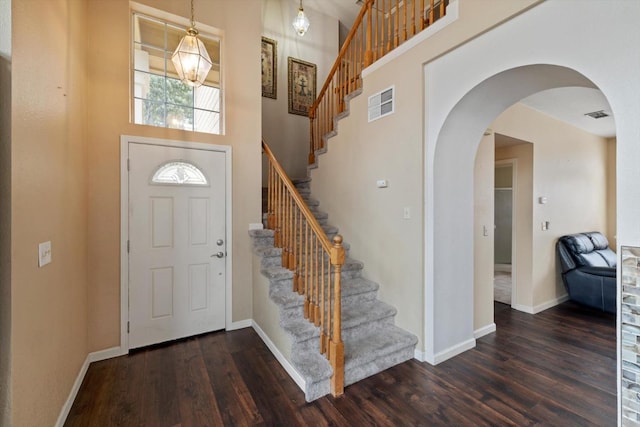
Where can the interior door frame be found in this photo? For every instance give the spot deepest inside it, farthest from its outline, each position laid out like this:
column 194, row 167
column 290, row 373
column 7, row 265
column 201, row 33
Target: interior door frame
column 514, row 219
column 125, row 140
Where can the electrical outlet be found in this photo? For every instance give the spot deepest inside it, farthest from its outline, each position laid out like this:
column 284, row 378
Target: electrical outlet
column 44, row 253
column 406, row 214
column 382, row 183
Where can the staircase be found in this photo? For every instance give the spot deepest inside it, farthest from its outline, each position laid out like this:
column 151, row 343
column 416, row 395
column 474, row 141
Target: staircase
column 372, row 342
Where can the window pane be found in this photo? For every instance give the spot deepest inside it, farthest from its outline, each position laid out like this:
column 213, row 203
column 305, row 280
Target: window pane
column 179, row 172
column 179, row 93
column 153, row 113
column 207, row 121
column 179, row 117
column 207, row 98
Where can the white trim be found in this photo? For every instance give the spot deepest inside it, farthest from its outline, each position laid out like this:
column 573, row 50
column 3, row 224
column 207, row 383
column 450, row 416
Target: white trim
column 419, row 355
column 293, row 373
column 450, row 17
column 242, row 324
column 66, row 408
column 541, row 307
column 108, row 353
column 125, row 140
column 485, row 330
column 505, row 268
column 454, row 351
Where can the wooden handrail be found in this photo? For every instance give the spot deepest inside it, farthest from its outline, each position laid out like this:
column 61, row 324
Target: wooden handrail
column 366, row 43
column 315, row 261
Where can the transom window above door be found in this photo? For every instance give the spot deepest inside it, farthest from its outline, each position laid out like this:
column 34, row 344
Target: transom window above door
column 159, row 97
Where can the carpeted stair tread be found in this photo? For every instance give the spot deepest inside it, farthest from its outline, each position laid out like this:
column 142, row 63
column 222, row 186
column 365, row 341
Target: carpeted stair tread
column 380, row 341
column 262, row 233
column 369, row 311
column 267, row 251
column 277, row 273
column 287, row 298
column 300, row 329
column 312, row 366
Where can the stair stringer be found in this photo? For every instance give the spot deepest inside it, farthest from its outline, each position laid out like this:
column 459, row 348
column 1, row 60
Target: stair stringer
column 334, row 132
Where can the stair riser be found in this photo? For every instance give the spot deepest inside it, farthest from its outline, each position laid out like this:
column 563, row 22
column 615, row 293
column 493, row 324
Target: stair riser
column 297, row 311
column 357, row 373
column 262, row 241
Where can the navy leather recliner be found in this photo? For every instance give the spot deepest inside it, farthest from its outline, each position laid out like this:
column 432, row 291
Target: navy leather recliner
column 589, row 269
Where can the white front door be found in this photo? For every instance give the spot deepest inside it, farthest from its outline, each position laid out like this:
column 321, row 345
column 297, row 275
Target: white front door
column 177, row 248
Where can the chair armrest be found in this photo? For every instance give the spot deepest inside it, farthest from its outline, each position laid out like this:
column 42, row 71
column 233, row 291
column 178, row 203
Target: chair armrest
column 599, row 271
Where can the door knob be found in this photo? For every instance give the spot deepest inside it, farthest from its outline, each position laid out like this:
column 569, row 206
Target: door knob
column 220, row 242
column 219, row 255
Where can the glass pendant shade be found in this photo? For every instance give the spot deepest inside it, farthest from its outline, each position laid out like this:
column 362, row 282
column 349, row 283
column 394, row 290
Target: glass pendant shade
column 191, row 59
column 301, row 23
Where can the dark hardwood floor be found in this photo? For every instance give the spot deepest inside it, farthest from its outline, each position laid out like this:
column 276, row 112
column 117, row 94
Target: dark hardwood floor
column 557, row 368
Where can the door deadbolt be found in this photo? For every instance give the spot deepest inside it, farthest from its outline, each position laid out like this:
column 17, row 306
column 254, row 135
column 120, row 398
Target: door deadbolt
column 220, row 242
column 219, row 255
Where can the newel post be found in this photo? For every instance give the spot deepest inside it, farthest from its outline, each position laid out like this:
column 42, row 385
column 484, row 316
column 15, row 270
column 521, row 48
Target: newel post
column 368, row 54
column 336, row 346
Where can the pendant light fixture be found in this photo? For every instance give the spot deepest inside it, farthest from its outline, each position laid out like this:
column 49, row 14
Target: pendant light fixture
column 301, row 23
column 190, row 58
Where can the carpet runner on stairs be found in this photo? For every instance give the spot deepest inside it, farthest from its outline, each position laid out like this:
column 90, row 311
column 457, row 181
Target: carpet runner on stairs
column 372, row 341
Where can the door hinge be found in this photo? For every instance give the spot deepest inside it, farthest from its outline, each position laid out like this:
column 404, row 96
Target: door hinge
column 128, row 164
column 127, row 327
column 128, row 246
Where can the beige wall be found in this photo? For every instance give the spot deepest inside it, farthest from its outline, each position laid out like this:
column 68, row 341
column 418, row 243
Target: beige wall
column 392, row 148
column 483, row 234
column 109, row 118
column 5, row 212
column 288, row 134
column 611, row 232
column 570, row 168
column 48, row 202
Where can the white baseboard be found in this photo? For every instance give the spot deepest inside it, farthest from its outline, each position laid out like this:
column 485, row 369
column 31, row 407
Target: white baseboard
column 454, row 351
column 541, row 307
column 420, row 356
column 485, row 330
column 241, row 324
column 297, row 378
column 96, row 356
column 66, row 408
column 109, row 353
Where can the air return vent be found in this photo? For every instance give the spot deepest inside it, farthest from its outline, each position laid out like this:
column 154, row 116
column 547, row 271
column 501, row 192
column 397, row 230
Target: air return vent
column 381, row 104
column 597, row 114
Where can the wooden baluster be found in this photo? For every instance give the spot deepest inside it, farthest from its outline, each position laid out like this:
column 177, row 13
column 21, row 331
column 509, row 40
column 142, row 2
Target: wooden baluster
column 285, row 229
column 443, row 9
column 368, row 56
column 422, row 15
column 404, row 21
column 269, row 195
column 294, row 237
column 336, row 345
column 276, row 238
column 312, row 140
column 396, row 39
column 432, row 6
column 312, row 280
column 323, row 290
column 316, row 279
column 382, row 27
column 413, row 16
column 306, row 272
column 329, row 305
column 389, row 27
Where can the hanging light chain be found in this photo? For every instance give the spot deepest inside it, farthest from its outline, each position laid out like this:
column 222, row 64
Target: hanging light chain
column 193, row 21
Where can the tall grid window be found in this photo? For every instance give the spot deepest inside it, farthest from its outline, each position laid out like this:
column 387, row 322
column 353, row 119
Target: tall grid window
column 159, row 97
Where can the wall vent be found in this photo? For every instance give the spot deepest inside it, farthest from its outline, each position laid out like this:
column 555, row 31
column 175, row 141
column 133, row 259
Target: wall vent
column 597, row 114
column 381, row 104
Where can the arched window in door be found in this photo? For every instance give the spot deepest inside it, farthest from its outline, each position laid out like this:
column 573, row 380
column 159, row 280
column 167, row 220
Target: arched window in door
column 179, row 172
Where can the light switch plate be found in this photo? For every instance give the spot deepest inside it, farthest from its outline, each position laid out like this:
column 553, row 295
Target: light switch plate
column 44, row 253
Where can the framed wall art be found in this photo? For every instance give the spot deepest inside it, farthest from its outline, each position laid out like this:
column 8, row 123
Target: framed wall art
column 302, row 86
column 269, row 58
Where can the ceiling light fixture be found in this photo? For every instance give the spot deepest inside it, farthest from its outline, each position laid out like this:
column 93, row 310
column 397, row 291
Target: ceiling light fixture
column 191, row 58
column 301, row 23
